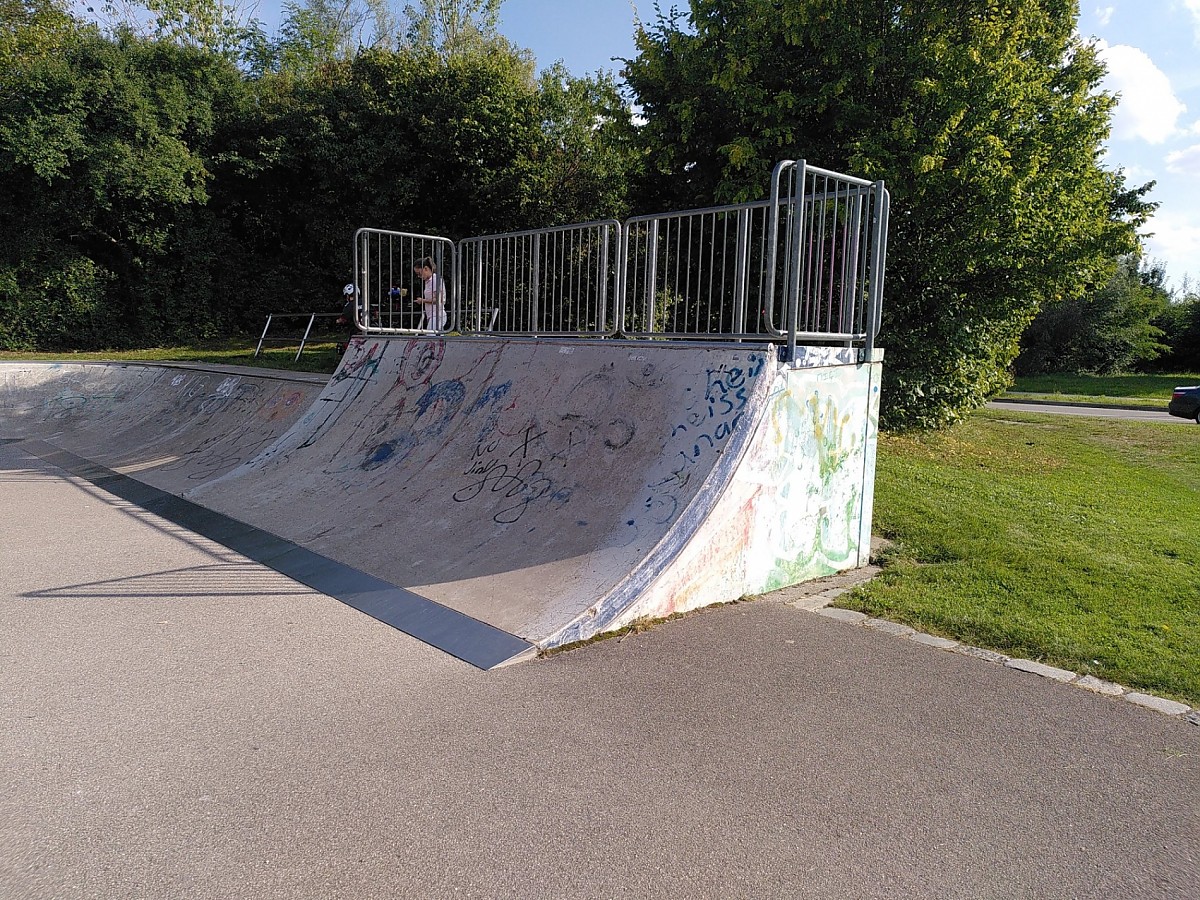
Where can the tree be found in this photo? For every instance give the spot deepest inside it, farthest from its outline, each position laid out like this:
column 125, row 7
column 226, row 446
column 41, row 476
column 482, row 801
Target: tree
column 587, row 154
column 102, row 155
column 1180, row 325
column 450, row 27
column 1107, row 332
column 985, row 120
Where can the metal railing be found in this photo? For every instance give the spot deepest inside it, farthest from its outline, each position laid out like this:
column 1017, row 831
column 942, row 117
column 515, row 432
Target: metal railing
column 388, row 290
column 546, row 281
column 832, row 231
column 290, row 339
column 805, row 265
column 698, row 273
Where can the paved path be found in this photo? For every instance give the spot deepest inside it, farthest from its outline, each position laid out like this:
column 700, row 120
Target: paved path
column 1109, row 412
column 178, row 722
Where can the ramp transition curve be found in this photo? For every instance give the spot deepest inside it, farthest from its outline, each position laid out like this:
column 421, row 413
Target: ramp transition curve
column 550, row 490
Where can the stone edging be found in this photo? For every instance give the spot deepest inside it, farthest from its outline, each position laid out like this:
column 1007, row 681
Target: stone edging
column 837, row 585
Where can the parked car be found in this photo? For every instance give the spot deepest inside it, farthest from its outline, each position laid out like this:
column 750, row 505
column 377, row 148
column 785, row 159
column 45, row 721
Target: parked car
column 1185, row 403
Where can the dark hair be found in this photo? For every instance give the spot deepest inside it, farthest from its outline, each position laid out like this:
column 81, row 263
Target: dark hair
column 426, row 263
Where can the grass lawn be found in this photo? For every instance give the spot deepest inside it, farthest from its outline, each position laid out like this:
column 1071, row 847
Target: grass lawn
column 317, row 357
column 1151, row 390
column 1068, row 540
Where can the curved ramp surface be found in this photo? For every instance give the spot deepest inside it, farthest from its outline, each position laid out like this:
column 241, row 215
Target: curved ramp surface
column 552, row 489
column 548, row 489
column 173, row 427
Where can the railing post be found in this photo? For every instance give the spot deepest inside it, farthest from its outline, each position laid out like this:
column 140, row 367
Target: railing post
column 792, row 305
column 263, row 336
column 740, row 267
column 878, row 255
column 304, row 340
column 602, row 276
column 478, row 286
column 535, row 283
column 651, row 273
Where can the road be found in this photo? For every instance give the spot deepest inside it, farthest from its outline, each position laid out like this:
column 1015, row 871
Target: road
column 1112, row 412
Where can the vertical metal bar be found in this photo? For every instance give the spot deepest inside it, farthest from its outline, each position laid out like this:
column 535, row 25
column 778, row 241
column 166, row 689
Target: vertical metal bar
column 536, row 287
column 792, row 303
column 478, row 286
column 304, row 340
column 651, row 273
column 740, row 265
column 263, row 336
column 878, row 257
column 773, row 210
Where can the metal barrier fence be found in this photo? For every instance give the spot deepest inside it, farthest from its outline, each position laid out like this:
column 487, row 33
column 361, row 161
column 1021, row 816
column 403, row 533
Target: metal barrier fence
column 547, row 281
column 389, row 290
column 805, row 265
column 698, row 273
column 832, row 231
column 301, row 340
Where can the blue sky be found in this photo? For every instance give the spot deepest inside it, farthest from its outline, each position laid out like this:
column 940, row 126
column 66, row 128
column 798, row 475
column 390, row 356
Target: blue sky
column 1152, row 49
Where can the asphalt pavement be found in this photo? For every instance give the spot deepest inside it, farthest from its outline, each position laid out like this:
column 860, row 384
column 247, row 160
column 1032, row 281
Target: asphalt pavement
column 1142, row 414
column 176, row 721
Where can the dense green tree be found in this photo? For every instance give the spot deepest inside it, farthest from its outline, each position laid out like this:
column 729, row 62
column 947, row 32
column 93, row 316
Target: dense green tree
column 101, row 150
column 159, row 193
column 985, row 120
column 1180, row 326
column 1106, row 332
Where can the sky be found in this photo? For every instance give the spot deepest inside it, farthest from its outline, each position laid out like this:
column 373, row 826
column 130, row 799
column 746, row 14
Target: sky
column 1151, row 48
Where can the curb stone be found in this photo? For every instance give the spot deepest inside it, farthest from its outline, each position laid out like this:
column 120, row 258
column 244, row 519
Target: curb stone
column 890, row 627
column 844, row 615
column 1037, row 668
column 986, row 655
column 1099, row 686
column 1063, row 676
column 1170, row 707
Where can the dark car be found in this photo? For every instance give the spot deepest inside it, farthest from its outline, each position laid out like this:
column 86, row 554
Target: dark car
column 1185, row 403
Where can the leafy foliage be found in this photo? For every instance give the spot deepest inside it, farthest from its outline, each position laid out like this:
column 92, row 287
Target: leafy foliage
column 100, row 158
column 985, row 121
column 1106, row 332
column 160, row 193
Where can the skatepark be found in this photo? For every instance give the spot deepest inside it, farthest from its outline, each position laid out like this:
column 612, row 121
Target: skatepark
column 258, row 628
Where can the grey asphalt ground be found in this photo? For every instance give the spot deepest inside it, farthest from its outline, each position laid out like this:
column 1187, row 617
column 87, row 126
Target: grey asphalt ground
column 1107, row 412
column 176, row 722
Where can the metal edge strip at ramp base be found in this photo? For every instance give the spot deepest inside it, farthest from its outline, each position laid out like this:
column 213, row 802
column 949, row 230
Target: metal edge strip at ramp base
column 460, row 635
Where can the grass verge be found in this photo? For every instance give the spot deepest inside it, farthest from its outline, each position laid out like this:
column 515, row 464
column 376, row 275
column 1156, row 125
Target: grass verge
column 1063, row 539
column 317, row 357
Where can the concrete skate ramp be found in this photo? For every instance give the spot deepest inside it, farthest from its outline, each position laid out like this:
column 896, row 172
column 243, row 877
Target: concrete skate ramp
column 172, row 427
column 548, row 489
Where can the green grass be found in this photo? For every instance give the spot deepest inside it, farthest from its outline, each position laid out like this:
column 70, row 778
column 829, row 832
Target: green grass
column 317, row 357
column 1066, row 540
column 1141, row 389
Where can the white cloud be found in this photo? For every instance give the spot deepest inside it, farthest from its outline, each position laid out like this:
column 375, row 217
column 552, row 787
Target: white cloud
column 1176, row 241
column 1148, row 109
column 1104, row 14
column 1193, row 7
column 1185, row 162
